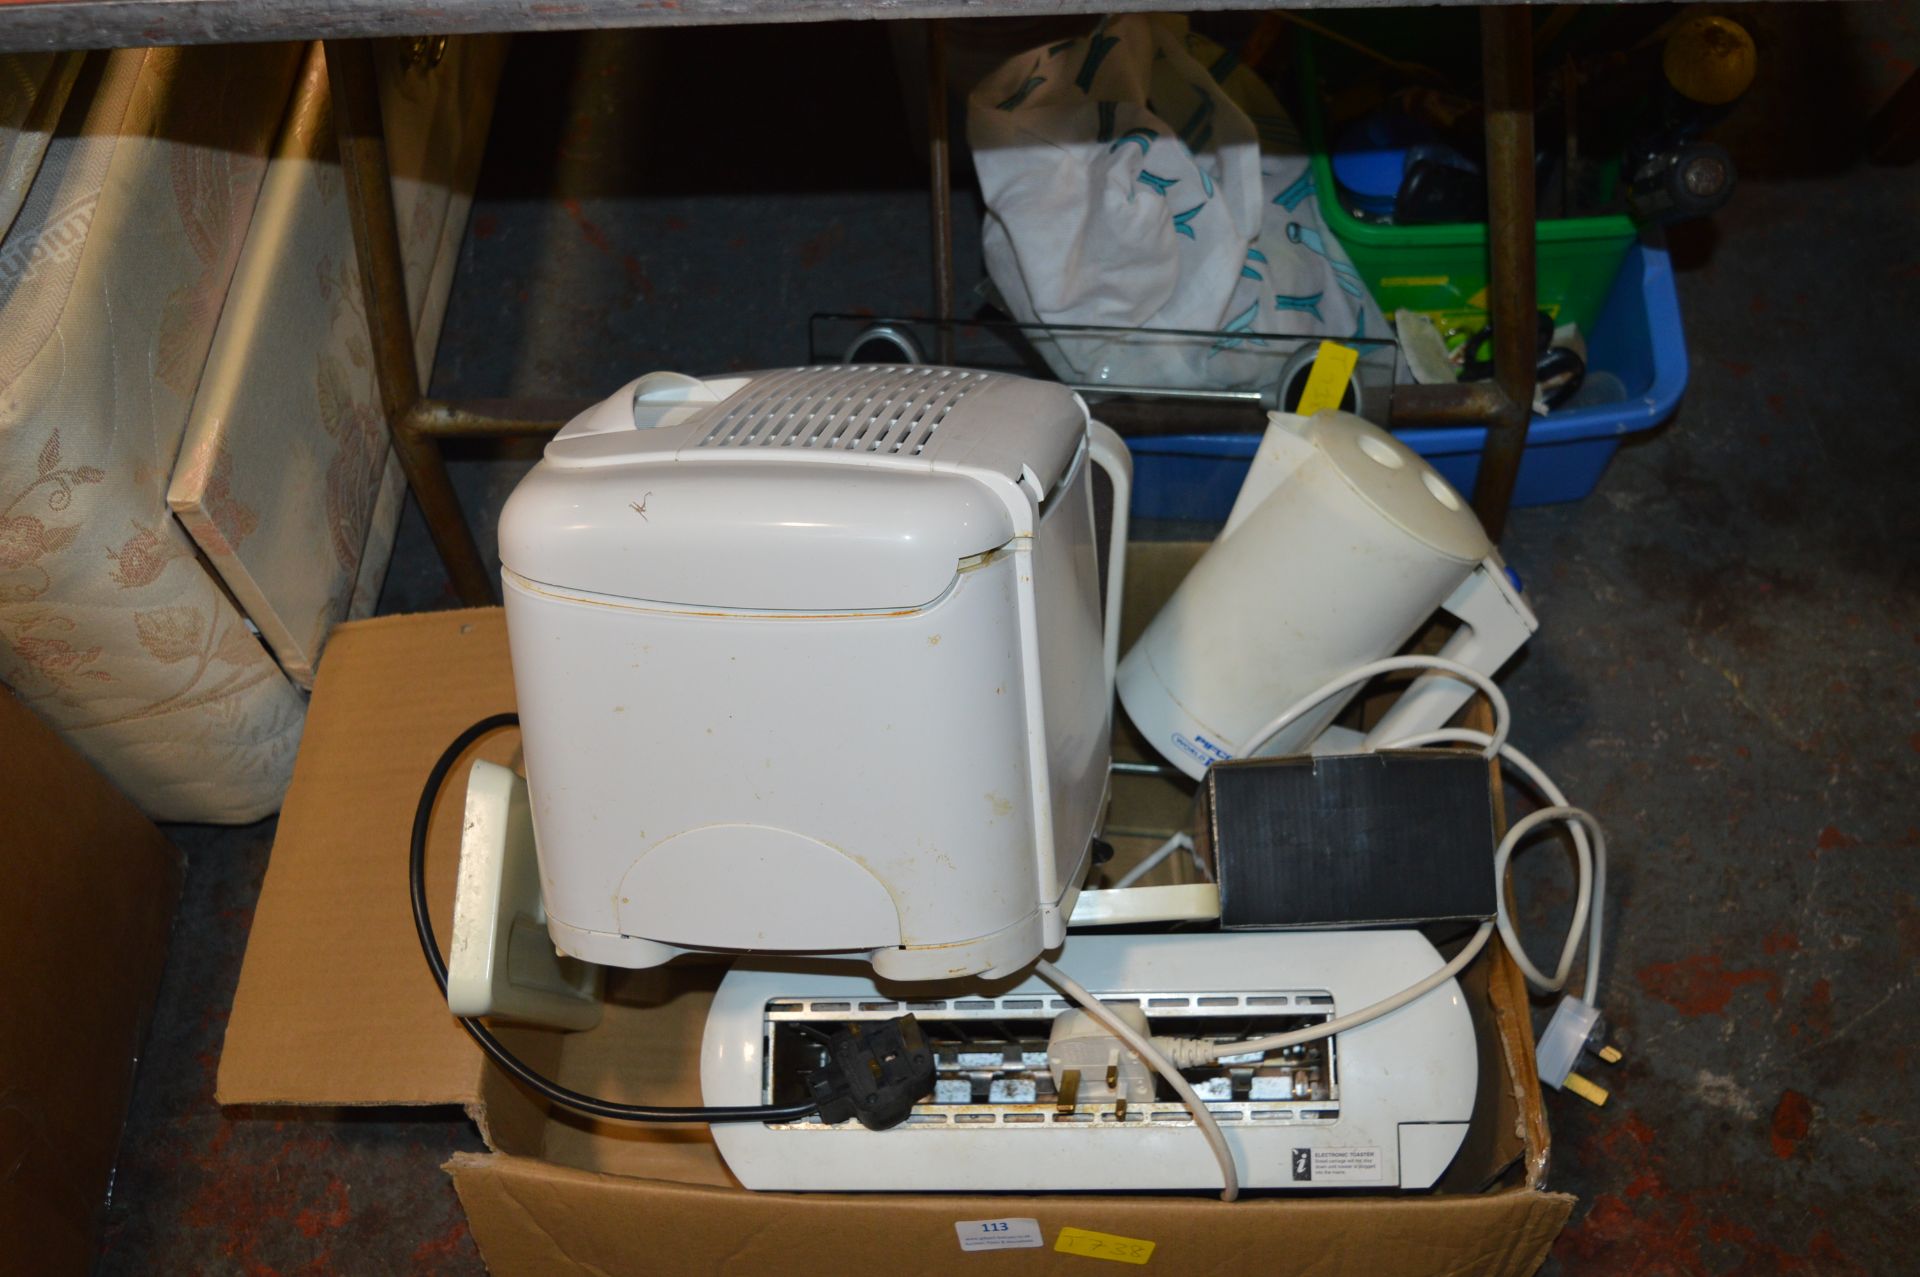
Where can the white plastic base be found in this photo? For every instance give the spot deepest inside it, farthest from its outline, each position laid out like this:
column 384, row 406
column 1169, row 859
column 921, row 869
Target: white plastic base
column 1117, row 906
column 501, row 961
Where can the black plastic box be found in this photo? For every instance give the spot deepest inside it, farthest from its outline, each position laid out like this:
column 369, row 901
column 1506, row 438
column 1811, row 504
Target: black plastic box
column 1386, row 839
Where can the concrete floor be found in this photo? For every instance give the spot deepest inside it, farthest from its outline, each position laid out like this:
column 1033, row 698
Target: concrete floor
column 1728, row 673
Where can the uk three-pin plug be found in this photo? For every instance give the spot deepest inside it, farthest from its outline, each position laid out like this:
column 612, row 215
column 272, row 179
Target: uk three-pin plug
column 1576, row 1029
column 1092, row 1066
column 875, row 1072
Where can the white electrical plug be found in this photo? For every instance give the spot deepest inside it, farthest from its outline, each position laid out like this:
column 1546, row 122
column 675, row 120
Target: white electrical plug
column 1090, row 1064
column 1575, row 1028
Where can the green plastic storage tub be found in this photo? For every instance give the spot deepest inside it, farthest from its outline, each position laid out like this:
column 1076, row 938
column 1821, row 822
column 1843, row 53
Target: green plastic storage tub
column 1441, row 271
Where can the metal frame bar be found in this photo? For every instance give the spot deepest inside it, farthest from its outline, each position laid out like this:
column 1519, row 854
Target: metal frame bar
column 418, row 425
column 113, row 24
column 1506, row 61
column 1504, row 404
column 940, row 185
column 383, row 287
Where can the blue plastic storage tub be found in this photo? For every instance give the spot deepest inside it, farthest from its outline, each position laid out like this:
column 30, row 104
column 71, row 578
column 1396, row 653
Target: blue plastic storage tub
column 1637, row 339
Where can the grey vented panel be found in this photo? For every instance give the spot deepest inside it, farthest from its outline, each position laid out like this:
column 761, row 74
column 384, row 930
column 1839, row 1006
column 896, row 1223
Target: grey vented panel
column 858, row 408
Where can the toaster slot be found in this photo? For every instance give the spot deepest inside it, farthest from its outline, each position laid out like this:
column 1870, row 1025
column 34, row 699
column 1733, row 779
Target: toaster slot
column 990, row 1058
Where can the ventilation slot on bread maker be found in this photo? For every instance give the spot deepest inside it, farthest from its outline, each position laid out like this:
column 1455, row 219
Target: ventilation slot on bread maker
column 878, row 409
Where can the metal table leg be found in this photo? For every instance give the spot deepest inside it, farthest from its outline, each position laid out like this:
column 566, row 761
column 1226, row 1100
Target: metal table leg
column 383, row 287
column 1506, row 59
column 1504, row 404
column 940, row 187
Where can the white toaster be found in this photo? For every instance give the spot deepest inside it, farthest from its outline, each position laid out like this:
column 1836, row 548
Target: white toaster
column 1383, row 1105
column 815, row 661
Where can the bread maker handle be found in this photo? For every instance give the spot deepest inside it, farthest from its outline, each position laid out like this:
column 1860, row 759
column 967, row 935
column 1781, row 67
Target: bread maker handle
column 1109, row 451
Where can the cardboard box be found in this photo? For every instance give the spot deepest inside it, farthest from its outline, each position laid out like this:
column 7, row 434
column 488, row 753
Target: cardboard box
column 88, row 888
column 335, row 1007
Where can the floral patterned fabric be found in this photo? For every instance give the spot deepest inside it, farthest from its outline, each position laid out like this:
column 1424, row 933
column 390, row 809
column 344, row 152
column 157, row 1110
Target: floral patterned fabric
column 111, row 280
column 286, row 479
column 130, row 248
column 34, row 88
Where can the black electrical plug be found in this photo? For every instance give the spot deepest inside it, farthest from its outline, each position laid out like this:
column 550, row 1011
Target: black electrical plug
column 875, row 1072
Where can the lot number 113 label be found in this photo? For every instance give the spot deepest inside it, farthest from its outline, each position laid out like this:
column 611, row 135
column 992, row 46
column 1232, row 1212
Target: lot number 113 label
column 998, row 1234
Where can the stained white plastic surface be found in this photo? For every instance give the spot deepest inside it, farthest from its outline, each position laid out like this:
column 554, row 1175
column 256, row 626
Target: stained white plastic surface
column 710, row 781
column 1109, row 451
column 756, row 535
column 821, row 667
column 643, row 495
column 1342, row 544
column 1180, row 902
column 500, row 960
column 1406, row 1081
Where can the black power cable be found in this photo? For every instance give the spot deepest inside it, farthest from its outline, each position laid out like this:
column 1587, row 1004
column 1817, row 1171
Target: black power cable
column 496, row 1050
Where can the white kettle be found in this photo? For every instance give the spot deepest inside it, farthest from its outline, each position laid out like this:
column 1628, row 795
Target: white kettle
column 1341, row 546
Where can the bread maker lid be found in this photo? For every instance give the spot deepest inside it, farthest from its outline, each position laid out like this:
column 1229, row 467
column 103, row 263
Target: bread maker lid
column 811, row 490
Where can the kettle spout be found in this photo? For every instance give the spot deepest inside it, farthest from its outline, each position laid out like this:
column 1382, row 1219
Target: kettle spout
column 1283, row 449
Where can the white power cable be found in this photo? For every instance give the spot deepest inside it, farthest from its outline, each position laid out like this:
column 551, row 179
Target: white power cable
column 1179, row 842
column 1168, row 1055
column 1587, row 912
column 1142, row 1047
column 1591, row 858
column 1502, row 714
column 1193, row 1053
column 1591, row 862
column 1188, row 1053
column 1592, row 881
column 1590, row 865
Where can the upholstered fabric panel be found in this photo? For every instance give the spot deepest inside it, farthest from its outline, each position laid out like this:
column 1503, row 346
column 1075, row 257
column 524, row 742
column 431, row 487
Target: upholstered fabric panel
column 286, row 480
column 112, row 278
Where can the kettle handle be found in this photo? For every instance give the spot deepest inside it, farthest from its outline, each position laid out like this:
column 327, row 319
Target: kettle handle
column 1108, row 450
column 1494, row 621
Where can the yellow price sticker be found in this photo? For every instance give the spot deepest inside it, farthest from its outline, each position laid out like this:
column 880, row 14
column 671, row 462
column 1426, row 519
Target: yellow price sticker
column 1327, row 383
column 1122, row 1250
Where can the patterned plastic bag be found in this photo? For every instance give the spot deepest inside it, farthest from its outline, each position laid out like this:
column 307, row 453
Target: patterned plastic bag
column 1126, row 186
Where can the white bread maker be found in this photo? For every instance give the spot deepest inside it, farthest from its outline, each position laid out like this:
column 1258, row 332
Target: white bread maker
column 815, row 661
